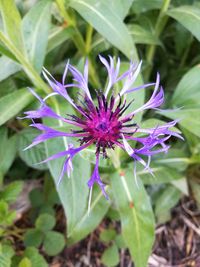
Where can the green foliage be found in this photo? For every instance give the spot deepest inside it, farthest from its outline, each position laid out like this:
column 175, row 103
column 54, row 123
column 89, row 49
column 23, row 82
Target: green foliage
column 165, row 35
column 45, row 222
column 110, row 256
column 54, row 243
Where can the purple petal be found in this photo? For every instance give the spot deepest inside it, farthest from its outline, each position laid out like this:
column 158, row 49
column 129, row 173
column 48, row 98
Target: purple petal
column 95, row 178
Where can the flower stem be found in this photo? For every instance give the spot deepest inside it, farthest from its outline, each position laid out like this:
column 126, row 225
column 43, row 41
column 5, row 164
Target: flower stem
column 160, row 24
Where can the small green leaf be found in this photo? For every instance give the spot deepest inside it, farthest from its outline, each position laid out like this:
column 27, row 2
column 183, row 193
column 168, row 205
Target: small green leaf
column 33, row 237
column 110, row 256
column 12, row 104
column 119, row 240
column 25, row 262
column 6, row 253
column 36, row 197
column 54, row 243
column 108, row 235
column 189, row 17
column 6, row 216
column 36, row 259
column 11, row 191
column 45, row 222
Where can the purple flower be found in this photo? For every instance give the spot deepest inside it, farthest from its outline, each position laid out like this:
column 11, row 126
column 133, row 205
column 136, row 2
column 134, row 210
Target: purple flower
column 104, row 125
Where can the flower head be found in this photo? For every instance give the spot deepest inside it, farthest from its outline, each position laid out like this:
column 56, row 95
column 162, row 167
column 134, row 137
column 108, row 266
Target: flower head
column 104, row 125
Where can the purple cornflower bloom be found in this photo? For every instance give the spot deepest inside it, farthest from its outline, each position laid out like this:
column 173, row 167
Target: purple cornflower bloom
column 104, row 125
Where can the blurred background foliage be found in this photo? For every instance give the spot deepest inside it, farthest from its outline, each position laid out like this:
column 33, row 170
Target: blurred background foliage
column 165, row 35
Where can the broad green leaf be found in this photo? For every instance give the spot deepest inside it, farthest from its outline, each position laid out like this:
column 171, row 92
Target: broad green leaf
column 140, row 6
column 189, row 17
column 181, row 185
column 162, row 174
column 33, row 155
column 12, row 23
column 12, row 104
column 106, row 22
column 142, row 36
column 189, row 118
column 73, row 191
column 166, row 200
column 119, row 7
column 54, row 243
column 8, row 150
column 36, row 25
column 88, row 223
column 8, row 67
column 136, row 214
column 36, row 259
column 187, row 92
column 45, row 222
column 57, row 36
column 110, row 256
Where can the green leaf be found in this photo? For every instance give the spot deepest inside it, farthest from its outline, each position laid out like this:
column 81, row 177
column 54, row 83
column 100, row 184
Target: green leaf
column 120, row 241
column 6, row 253
column 11, row 191
column 59, row 35
column 12, row 104
column 73, row 191
column 8, row 150
column 45, row 222
column 12, row 23
column 119, row 7
column 88, row 223
column 136, row 214
column 33, row 237
column 108, row 235
column 107, row 23
column 189, row 17
column 187, row 92
column 166, row 200
column 36, row 25
column 25, row 262
column 189, row 118
column 6, row 216
column 110, row 256
column 161, row 174
column 8, row 67
column 36, row 197
column 140, row 6
column 195, row 187
column 142, row 36
column 36, row 259
column 33, row 155
column 54, row 243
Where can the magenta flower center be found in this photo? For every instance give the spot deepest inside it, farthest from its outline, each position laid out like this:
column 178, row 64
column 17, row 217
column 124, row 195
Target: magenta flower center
column 102, row 124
